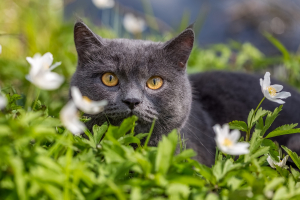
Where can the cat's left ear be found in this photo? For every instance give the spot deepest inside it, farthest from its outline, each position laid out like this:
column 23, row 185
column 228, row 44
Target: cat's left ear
column 179, row 48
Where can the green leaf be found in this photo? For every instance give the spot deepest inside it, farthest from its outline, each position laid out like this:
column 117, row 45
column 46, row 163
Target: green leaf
column 114, row 133
column 273, row 184
column 250, row 117
column 239, row 125
column 281, row 193
column 274, row 155
column 205, row 171
column 126, row 126
column 295, row 173
column 255, row 141
column 260, row 152
column 221, row 168
column 293, row 156
column 188, row 180
column 270, row 143
column 127, row 139
column 189, row 153
column 99, row 132
column 141, row 135
column 273, row 151
column 212, row 196
column 284, row 130
column 91, row 138
column 165, row 151
column 278, row 45
column 260, row 113
column 270, row 119
column 19, row 176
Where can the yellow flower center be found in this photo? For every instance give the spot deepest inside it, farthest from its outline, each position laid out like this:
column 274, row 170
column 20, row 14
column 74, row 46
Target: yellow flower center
column 271, row 91
column 46, row 66
column 85, row 98
column 227, row 142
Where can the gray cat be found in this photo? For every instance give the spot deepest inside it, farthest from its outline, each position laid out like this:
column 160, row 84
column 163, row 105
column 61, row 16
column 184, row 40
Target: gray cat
column 148, row 79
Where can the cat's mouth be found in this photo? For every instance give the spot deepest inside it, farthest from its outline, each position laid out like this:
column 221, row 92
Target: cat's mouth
column 145, row 116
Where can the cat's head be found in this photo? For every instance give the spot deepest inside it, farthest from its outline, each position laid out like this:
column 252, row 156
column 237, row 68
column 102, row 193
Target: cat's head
column 137, row 77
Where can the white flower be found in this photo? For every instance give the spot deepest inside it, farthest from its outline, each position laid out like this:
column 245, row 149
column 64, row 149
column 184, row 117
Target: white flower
column 281, row 163
column 272, row 92
column 3, row 101
column 227, row 142
column 134, row 24
column 69, row 117
column 103, row 4
column 85, row 104
column 0, row 49
column 40, row 72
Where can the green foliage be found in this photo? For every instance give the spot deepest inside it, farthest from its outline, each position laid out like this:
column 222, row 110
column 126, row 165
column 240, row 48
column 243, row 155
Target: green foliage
column 41, row 160
column 293, row 156
column 284, row 130
column 239, row 125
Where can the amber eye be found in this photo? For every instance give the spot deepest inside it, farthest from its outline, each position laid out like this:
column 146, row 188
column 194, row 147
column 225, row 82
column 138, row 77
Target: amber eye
column 110, row 79
column 154, row 82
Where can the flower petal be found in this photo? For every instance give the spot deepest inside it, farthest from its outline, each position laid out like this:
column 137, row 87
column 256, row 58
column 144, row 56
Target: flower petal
column 271, row 162
column 3, row 101
column 68, row 116
column 283, row 95
column 219, row 134
column 37, row 56
column 54, row 66
column 277, row 101
column 234, row 136
column 76, row 95
column 278, row 88
column 239, row 148
column 267, row 95
column 100, row 103
column 30, row 60
column 225, row 130
column 274, row 99
column 48, row 80
column 285, row 159
column 261, row 82
column 47, row 59
column 267, row 81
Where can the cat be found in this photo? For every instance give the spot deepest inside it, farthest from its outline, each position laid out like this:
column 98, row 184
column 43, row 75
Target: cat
column 148, row 79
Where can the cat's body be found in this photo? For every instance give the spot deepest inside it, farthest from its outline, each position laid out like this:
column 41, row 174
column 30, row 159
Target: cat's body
column 226, row 96
column 190, row 104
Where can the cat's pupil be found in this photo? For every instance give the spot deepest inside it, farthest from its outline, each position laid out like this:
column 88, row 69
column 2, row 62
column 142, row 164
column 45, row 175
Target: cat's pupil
column 154, row 81
column 110, row 78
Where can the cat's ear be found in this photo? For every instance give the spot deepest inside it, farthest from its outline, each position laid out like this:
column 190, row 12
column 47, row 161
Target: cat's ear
column 86, row 41
column 179, row 48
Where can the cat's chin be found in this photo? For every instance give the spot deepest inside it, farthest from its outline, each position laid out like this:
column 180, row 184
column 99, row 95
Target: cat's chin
column 142, row 119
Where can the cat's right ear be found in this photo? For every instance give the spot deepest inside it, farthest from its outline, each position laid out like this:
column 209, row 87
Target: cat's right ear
column 179, row 48
column 86, row 41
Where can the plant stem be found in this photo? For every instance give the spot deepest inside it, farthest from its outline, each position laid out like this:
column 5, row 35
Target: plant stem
column 249, row 125
column 150, row 133
column 36, row 99
column 217, row 154
column 29, row 96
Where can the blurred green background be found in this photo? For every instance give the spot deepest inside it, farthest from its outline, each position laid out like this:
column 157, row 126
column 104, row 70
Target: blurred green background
column 32, row 26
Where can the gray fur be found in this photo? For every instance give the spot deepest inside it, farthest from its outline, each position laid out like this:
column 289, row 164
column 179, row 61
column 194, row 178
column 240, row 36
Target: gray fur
column 190, row 104
column 134, row 62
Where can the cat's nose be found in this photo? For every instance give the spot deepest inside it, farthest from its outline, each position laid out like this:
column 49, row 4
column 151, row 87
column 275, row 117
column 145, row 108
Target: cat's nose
column 132, row 102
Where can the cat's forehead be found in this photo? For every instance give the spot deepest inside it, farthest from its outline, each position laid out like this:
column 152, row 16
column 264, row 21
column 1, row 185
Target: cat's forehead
column 130, row 46
column 129, row 57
